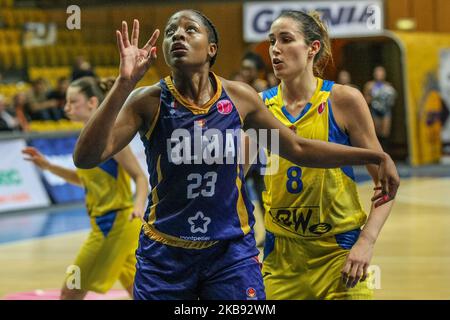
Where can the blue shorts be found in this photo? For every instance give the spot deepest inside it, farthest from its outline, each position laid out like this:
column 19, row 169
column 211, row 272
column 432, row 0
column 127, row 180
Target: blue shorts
column 229, row 270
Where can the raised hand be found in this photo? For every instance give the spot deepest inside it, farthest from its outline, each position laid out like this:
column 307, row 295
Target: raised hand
column 135, row 62
column 36, row 157
column 389, row 180
column 357, row 263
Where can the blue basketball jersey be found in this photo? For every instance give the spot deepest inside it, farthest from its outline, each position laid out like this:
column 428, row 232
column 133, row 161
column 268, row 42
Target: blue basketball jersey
column 198, row 192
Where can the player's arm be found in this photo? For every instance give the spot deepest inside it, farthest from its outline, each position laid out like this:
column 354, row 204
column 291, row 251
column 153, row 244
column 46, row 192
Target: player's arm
column 129, row 162
column 120, row 115
column 250, row 152
column 360, row 128
column 32, row 154
column 306, row 152
column 251, row 149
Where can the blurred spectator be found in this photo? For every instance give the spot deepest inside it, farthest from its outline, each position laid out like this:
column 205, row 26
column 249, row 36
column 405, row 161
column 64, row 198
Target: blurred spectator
column 8, row 121
column 251, row 67
column 39, row 105
column 237, row 77
column 59, row 94
column 380, row 96
column 20, row 106
column 345, row 78
column 82, row 68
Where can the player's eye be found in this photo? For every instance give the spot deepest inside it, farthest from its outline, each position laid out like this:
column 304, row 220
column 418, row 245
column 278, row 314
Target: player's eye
column 191, row 28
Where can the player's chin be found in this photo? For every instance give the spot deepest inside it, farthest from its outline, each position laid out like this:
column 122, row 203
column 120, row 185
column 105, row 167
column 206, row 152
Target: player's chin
column 73, row 117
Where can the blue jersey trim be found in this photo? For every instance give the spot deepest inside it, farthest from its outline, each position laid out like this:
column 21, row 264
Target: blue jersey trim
column 269, row 244
column 347, row 239
column 327, row 85
column 336, row 135
column 110, row 166
column 293, row 119
column 106, row 222
column 269, row 93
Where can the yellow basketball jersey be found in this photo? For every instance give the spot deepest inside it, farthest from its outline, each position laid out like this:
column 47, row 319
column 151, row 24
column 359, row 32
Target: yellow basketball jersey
column 310, row 202
column 107, row 188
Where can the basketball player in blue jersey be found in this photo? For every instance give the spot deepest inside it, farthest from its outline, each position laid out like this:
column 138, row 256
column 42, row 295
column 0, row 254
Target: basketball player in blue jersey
column 197, row 242
column 316, row 246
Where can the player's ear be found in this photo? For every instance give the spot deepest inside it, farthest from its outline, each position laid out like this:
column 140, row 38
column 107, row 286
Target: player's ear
column 212, row 50
column 314, row 48
column 93, row 103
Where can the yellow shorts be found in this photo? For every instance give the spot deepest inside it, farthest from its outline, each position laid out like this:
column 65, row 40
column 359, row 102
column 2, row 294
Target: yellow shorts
column 108, row 254
column 299, row 269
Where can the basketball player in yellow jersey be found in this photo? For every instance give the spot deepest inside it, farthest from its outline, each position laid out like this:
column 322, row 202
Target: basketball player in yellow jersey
column 315, row 248
column 108, row 254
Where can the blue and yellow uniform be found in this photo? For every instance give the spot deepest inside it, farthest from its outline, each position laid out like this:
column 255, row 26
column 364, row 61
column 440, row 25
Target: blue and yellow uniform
column 108, row 254
column 312, row 216
column 198, row 240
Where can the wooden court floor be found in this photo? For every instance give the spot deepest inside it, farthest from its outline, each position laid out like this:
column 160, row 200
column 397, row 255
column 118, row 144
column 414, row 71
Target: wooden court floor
column 412, row 252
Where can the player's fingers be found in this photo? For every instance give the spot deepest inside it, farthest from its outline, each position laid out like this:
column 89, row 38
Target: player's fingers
column 385, row 198
column 152, row 41
column 152, row 56
column 135, row 33
column 359, row 274
column 345, row 271
column 377, row 188
column 352, row 275
column 365, row 272
column 120, row 44
column 29, row 150
column 393, row 187
column 377, row 196
column 126, row 41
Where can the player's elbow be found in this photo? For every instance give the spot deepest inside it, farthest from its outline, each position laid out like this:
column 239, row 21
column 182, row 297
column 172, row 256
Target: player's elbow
column 82, row 161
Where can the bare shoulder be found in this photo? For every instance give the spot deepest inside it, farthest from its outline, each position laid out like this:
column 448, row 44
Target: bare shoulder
column 346, row 96
column 144, row 99
column 146, row 93
column 238, row 88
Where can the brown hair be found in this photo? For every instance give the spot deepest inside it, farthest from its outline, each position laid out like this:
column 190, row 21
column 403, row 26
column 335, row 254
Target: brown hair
column 94, row 87
column 313, row 29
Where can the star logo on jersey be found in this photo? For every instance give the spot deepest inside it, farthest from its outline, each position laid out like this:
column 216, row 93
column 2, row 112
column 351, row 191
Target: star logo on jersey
column 199, row 223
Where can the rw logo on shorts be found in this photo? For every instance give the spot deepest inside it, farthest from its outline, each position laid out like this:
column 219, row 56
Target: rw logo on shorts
column 300, row 221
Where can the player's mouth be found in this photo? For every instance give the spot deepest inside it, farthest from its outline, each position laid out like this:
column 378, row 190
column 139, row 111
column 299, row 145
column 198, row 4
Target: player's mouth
column 178, row 47
column 277, row 63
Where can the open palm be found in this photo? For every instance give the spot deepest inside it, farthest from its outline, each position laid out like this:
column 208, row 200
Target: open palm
column 135, row 62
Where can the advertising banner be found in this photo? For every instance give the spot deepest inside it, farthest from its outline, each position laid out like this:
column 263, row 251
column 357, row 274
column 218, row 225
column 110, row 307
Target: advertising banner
column 20, row 184
column 344, row 18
